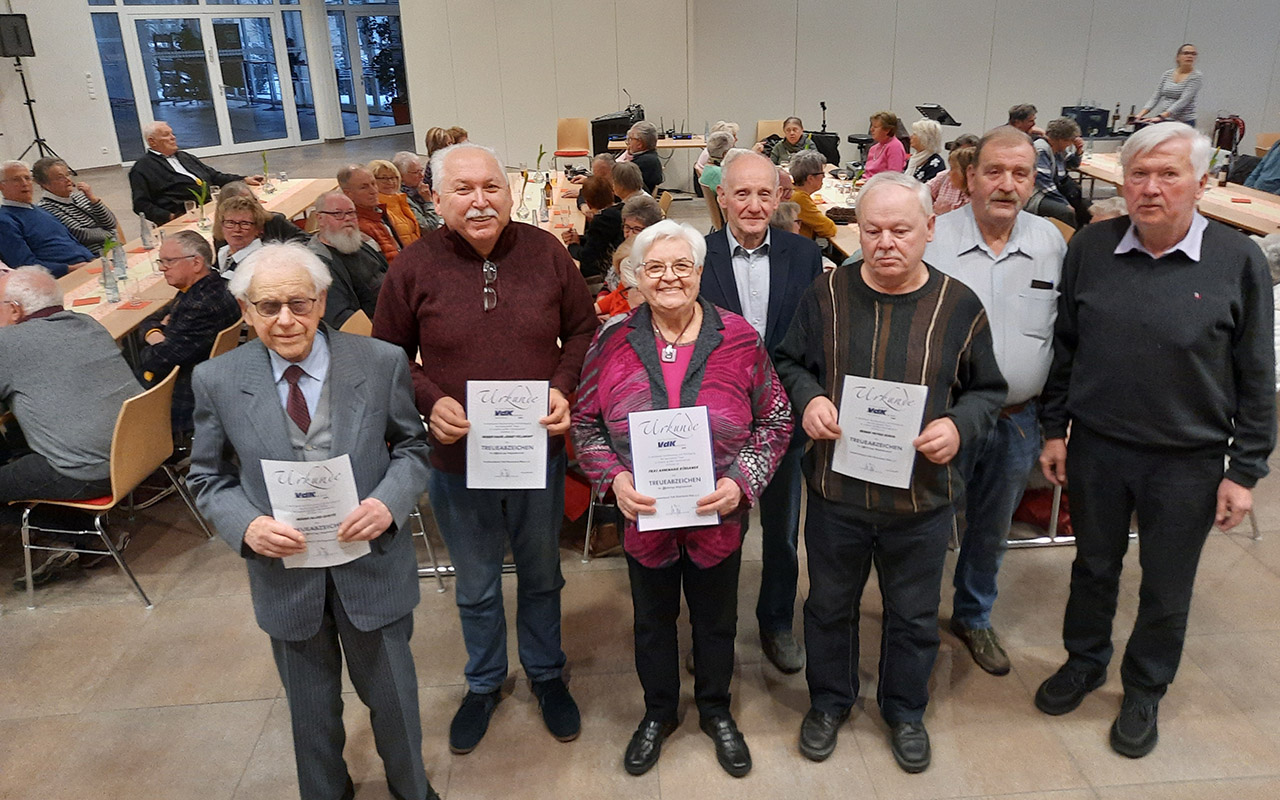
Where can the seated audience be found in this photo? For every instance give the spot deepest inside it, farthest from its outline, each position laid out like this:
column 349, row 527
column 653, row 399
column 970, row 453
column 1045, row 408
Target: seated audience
column 950, row 189
column 926, row 146
column 63, row 377
column 163, row 179
column 29, row 234
column 1023, row 117
column 603, row 231
column 625, row 297
column 642, row 143
column 1056, row 152
column 718, row 361
column 808, row 170
column 601, row 166
column 786, row 217
column 717, row 146
column 358, row 183
column 887, row 154
column 278, row 227
column 704, row 157
column 627, row 181
column 1109, row 208
column 413, row 184
column 399, row 212
column 638, row 212
column 793, row 140
column 436, row 139
column 357, row 266
column 1266, row 175
column 183, row 335
column 240, row 220
column 85, row 217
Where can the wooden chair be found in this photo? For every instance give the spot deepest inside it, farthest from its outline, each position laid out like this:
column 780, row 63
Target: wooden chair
column 768, row 127
column 1066, row 230
column 140, row 444
column 359, row 324
column 664, row 202
column 713, row 210
column 226, row 340
column 573, row 139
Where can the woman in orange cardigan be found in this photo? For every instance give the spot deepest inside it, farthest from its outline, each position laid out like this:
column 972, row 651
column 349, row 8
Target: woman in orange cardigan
column 399, row 212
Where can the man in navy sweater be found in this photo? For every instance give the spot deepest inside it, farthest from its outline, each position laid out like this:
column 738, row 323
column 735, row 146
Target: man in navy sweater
column 30, row 235
column 1163, row 365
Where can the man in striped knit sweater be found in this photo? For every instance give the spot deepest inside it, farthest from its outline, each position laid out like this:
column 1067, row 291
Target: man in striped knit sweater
column 891, row 317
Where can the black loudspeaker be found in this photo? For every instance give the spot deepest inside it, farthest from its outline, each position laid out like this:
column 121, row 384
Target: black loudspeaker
column 609, row 126
column 15, row 36
column 828, row 143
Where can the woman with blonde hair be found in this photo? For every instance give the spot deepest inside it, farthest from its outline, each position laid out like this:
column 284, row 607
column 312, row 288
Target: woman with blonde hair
column 400, row 213
column 926, row 151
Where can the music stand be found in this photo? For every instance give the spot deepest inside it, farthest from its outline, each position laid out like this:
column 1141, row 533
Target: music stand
column 938, row 114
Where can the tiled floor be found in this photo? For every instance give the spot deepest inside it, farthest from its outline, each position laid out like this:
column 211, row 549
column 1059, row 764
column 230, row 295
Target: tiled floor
column 102, row 699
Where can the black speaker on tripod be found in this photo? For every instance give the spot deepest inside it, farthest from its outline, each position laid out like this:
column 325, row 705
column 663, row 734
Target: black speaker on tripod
column 15, row 43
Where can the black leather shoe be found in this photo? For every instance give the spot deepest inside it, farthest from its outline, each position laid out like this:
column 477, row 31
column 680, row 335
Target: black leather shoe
column 783, row 651
column 559, row 711
column 731, row 748
column 471, row 721
column 910, row 744
column 818, row 733
column 1134, row 732
column 1065, row 689
column 646, row 745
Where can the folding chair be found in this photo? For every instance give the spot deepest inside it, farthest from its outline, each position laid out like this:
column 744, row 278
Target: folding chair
column 358, row 323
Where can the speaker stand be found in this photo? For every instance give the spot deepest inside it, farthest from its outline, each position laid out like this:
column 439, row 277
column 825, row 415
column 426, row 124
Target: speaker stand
column 39, row 143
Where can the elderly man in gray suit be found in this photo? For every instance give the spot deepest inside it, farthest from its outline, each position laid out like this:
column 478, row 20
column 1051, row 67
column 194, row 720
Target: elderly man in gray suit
column 304, row 392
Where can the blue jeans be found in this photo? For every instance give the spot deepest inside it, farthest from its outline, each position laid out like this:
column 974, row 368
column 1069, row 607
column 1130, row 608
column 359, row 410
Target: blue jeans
column 476, row 524
column 780, row 528
column 908, row 554
column 995, row 471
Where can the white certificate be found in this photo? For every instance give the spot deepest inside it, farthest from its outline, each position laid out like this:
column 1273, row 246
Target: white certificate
column 506, row 446
column 671, row 462
column 315, row 497
column 878, row 421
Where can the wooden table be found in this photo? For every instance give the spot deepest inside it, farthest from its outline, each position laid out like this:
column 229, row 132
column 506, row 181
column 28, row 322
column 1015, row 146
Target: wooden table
column 699, row 141
column 1260, row 215
column 833, row 195
column 564, row 210
column 147, row 285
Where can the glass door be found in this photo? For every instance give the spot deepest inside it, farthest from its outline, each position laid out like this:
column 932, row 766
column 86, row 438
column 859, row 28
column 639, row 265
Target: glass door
column 250, row 81
column 368, row 57
column 177, row 80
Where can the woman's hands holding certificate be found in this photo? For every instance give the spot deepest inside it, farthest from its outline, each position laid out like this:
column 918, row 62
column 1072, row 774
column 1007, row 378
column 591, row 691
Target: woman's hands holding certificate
column 939, row 441
column 723, row 500
column 630, row 502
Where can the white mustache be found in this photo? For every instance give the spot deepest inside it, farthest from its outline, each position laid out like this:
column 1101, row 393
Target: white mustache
column 481, row 213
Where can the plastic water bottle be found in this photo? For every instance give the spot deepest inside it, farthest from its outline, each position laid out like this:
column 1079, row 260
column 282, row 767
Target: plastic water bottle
column 145, row 228
column 120, row 262
column 109, row 281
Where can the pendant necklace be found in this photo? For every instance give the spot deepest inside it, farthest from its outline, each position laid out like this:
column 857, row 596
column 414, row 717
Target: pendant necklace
column 668, row 354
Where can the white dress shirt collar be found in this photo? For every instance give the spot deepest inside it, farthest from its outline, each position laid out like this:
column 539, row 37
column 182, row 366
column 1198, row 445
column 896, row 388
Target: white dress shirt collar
column 1189, row 245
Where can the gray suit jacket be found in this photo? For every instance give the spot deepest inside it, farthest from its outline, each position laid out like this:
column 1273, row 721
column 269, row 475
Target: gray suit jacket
column 238, row 412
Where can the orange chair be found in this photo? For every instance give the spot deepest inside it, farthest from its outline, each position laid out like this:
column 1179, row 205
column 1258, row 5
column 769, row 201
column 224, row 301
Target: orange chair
column 573, row 139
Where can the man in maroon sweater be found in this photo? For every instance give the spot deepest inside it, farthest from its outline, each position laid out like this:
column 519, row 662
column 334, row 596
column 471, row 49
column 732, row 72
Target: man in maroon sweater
column 490, row 299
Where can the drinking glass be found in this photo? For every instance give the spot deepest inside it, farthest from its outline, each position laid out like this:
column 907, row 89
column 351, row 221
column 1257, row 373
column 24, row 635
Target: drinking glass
column 190, row 206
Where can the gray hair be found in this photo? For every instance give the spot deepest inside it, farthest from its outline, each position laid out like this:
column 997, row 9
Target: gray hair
column 279, row 255
column 1004, row 134
column 719, row 144
column 40, row 169
column 441, row 156
column 669, row 229
column 403, row 159
column 785, row 215
column 1062, row 129
column 805, row 164
column 730, row 128
column 151, row 128
column 741, row 155
column 642, row 207
column 897, row 179
column 1109, row 207
column 929, row 134
column 627, row 176
column 322, row 202
column 646, row 132
column 1270, row 245
column 235, row 189
column 32, row 288
column 346, row 173
column 194, row 244
column 1152, row 136
column 629, row 273
column 11, row 163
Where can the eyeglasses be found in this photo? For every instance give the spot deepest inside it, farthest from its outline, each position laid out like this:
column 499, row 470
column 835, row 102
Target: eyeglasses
column 490, row 291
column 628, row 229
column 340, row 214
column 655, row 270
column 239, row 224
column 298, row 306
column 165, row 263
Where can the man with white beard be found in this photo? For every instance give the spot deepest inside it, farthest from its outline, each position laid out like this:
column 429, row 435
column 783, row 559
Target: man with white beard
column 357, row 265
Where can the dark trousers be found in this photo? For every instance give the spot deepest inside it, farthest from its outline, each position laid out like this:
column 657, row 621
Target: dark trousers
column 1175, row 498
column 712, row 595
column 780, row 532
column 908, row 556
column 381, row 668
column 32, row 477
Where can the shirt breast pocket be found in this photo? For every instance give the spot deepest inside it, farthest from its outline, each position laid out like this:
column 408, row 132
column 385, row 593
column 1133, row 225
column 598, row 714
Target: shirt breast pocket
column 1038, row 308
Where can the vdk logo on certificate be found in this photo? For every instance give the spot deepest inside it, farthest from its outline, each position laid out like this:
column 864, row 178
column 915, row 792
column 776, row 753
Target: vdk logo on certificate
column 506, row 447
column 671, row 461
column 878, row 421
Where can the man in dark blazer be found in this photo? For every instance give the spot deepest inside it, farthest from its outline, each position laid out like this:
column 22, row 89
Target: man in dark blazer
column 761, row 273
column 303, row 392
column 164, row 178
